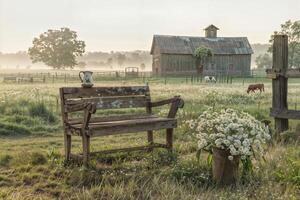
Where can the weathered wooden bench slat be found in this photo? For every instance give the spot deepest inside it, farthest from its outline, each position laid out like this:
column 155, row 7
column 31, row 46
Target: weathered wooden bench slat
column 111, row 118
column 145, row 147
column 106, row 99
column 131, row 128
column 99, row 125
column 128, row 149
column 107, row 103
column 104, row 91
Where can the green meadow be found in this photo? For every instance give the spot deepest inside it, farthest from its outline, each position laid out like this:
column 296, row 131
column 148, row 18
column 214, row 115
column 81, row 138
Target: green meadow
column 32, row 162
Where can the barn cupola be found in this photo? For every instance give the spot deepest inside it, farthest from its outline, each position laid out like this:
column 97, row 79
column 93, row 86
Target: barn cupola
column 211, row 31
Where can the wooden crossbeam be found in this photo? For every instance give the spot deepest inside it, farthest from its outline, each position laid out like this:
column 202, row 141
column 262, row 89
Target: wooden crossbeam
column 285, row 114
column 128, row 149
column 290, row 73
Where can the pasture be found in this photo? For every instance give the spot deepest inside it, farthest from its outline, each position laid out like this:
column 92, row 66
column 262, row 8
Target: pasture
column 31, row 151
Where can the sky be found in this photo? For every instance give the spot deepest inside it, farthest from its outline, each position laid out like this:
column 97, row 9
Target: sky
column 124, row 25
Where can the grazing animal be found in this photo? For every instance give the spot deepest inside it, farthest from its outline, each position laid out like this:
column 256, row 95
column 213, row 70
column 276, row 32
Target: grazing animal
column 254, row 87
column 210, row 79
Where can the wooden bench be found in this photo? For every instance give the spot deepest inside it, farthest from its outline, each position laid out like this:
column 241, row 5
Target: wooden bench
column 88, row 100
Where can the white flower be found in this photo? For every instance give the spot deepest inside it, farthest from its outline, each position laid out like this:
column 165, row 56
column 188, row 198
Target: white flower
column 238, row 132
column 230, row 157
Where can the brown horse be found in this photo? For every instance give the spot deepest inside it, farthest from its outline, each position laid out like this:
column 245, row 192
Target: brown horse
column 253, row 88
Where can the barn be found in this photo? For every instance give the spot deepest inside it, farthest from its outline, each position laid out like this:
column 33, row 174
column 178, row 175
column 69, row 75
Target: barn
column 173, row 55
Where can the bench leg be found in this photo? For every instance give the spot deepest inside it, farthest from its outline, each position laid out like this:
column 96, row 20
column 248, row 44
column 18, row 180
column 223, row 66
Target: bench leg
column 169, row 138
column 150, row 139
column 68, row 144
column 86, row 149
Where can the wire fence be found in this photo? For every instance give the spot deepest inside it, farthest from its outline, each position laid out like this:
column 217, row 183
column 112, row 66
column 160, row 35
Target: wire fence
column 257, row 76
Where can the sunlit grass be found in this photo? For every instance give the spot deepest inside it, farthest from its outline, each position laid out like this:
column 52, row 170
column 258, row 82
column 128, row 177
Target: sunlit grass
column 32, row 167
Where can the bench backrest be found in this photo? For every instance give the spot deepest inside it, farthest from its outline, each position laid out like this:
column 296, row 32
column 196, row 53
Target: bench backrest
column 104, row 97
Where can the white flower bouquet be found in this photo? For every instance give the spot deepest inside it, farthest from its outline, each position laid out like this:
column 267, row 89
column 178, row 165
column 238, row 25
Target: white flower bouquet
column 236, row 132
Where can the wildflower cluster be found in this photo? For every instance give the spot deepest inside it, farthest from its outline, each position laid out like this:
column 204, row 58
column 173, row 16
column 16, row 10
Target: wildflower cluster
column 238, row 132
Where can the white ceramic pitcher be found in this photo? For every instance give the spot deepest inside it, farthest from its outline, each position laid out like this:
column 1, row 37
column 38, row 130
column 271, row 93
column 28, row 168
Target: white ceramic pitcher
column 86, row 78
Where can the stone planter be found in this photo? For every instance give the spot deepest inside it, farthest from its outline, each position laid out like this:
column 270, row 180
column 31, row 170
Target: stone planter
column 225, row 171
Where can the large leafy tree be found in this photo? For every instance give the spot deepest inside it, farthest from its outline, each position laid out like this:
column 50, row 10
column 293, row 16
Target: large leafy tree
column 292, row 30
column 121, row 59
column 57, row 48
column 263, row 61
column 203, row 55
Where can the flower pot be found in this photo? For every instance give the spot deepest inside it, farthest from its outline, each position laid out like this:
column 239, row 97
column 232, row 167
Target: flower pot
column 225, row 171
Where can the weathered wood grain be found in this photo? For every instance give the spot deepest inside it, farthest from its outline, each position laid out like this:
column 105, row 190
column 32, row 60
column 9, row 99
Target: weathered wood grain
column 111, row 118
column 73, row 105
column 131, row 127
column 77, row 92
column 79, row 157
column 146, row 147
column 290, row 73
column 280, row 84
column 285, row 114
column 67, row 136
column 88, row 100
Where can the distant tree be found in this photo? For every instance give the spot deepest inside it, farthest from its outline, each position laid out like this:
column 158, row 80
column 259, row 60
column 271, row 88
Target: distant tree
column 109, row 62
column 292, row 30
column 297, row 57
column 81, row 64
column 202, row 55
column 143, row 66
column 263, row 61
column 121, row 59
column 57, row 48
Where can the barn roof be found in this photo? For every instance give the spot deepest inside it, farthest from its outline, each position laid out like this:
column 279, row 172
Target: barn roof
column 168, row 44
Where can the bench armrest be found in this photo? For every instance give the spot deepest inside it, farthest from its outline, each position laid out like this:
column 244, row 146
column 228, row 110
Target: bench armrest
column 89, row 109
column 176, row 102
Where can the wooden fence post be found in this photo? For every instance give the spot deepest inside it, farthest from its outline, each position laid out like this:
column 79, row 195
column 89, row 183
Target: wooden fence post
column 279, row 85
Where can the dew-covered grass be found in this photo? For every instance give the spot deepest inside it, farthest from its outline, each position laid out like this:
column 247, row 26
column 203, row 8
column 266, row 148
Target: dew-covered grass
column 31, row 150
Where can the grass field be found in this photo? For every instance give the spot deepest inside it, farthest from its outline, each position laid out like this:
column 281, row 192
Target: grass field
column 31, row 150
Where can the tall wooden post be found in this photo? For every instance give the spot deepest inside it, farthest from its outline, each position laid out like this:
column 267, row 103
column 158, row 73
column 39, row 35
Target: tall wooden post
column 280, row 84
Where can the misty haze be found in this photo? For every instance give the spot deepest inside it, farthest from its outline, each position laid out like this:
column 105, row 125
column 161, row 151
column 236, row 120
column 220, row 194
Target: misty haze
column 149, row 100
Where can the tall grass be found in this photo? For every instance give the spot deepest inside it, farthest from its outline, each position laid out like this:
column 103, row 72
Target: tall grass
column 34, row 168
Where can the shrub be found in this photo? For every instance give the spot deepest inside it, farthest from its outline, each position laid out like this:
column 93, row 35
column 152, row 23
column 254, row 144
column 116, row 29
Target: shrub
column 298, row 128
column 5, row 181
column 4, row 160
column 161, row 158
column 191, row 172
column 37, row 159
column 289, row 137
column 7, row 129
column 54, row 156
column 21, row 119
column 81, row 177
column 290, row 172
column 40, row 110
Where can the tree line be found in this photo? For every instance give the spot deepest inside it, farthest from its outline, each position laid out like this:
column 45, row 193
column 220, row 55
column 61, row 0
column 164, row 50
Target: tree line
column 292, row 30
